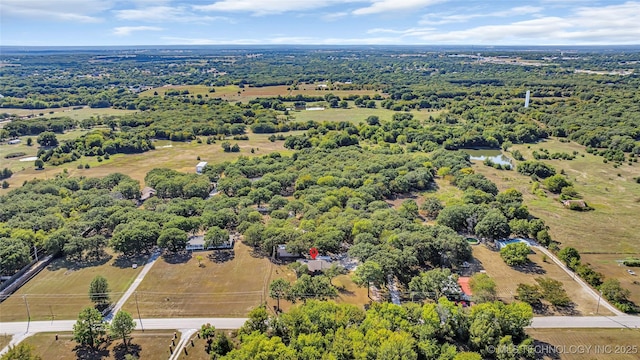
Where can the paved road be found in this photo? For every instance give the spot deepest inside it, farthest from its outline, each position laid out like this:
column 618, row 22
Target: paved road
column 185, row 335
column 567, row 322
column 581, row 282
column 22, row 330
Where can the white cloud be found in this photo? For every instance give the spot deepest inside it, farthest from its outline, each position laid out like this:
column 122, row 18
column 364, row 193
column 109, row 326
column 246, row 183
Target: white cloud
column 439, row 19
column 612, row 24
column 127, row 30
column 281, row 40
column 164, row 14
column 58, row 10
column 383, row 6
column 266, row 7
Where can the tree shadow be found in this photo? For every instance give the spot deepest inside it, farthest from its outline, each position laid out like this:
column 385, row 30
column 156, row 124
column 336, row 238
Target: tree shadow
column 87, row 353
column 530, row 268
column 569, row 310
column 545, row 350
column 119, row 351
column 221, row 256
column 540, row 309
column 345, row 292
column 125, row 261
column 177, row 258
column 77, row 264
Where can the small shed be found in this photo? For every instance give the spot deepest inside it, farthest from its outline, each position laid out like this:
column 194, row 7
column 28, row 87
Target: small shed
column 465, row 287
column 575, row 204
column 200, row 167
column 196, row 243
column 282, row 253
column 147, row 192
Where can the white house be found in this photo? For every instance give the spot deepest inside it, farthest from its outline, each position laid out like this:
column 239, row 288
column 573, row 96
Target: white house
column 196, row 243
column 200, row 167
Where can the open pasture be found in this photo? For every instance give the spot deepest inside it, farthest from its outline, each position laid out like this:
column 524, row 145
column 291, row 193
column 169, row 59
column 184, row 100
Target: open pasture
column 596, row 344
column 508, row 278
column 61, row 289
column 235, row 93
column 145, row 345
column 223, row 285
column 75, row 114
column 181, row 156
column 355, row 114
column 613, row 193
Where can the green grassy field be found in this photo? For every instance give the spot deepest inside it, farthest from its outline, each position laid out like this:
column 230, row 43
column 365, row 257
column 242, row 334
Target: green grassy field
column 15, row 165
column 145, row 345
column 234, row 93
column 79, row 114
column 615, row 196
column 355, row 114
column 60, row 291
column 181, row 156
column 596, row 344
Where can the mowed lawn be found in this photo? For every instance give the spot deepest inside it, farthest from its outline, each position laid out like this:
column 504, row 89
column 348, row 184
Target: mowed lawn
column 61, row 290
column 181, row 156
column 177, row 287
column 508, row 278
column 146, row 345
column 596, row 344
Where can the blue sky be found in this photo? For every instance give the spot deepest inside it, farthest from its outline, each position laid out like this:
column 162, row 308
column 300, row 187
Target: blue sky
column 335, row 22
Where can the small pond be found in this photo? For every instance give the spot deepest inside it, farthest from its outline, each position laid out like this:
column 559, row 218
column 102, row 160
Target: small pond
column 492, row 154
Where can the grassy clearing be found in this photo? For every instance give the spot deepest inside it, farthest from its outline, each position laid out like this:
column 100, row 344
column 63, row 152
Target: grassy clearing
column 508, row 278
column 356, row 114
column 4, row 340
column 180, row 156
column 607, row 265
column 609, row 232
column 235, row 93
column 597, row 344
column 79, row 114
column 15, row 165
column 610, row 228
column 177, row 287
column 60, row 291
column 146, row 345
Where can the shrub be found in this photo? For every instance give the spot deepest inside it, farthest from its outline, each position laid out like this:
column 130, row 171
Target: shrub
column 14, row 155
column 631, row 262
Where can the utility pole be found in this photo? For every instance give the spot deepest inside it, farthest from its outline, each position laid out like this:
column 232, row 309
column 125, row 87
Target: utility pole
column 24, row 297
column 598, row 306
column 135, row 295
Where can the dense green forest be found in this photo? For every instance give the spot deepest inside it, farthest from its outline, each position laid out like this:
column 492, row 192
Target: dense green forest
column 484, row 101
